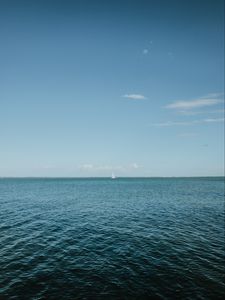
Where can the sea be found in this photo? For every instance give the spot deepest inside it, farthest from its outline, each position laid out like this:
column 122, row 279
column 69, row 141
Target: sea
column 98, row 238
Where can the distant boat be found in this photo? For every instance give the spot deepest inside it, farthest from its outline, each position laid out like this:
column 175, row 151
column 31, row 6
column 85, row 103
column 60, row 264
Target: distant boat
column 113, row 176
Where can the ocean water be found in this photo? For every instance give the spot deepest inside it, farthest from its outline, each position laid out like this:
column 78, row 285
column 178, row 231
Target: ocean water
column 158, row 238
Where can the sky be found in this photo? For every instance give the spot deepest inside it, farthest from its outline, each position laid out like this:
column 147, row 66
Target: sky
column 90, row 87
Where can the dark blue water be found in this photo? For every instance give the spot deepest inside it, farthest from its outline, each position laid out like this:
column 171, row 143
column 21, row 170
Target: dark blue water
column 112, row 239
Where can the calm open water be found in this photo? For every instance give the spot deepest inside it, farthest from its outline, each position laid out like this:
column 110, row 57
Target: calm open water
column 112, row 239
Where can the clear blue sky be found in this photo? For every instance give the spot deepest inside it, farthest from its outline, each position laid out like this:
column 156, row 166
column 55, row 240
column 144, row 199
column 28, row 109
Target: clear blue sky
column 88, row 88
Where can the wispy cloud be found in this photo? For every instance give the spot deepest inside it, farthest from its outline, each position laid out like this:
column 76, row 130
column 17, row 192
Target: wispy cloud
column 109, row 168
column 86, row 167
column 214, row 95
column 209, row 100
column 201, row 112
column 214, row 120
column 145, row 51
column 134, row 166
column 187, row 134
column 172, row 123
column 92, row 168
column 134, row 96
column 188, row 123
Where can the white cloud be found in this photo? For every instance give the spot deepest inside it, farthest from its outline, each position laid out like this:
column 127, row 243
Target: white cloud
column 213, row 95
column 193, row 103
column 108, row 168
column 214, row 120
column 134, row 166
column 86, row 167
column 188, row 123
column 218, row 111
column 92, row 167
column 172, row 123
column 187, row 134
column 209, row 100
column 193, row 113
column 134, row 96
column 145, row 51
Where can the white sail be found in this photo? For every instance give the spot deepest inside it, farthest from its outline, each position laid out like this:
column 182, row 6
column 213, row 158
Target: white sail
column 113, row 176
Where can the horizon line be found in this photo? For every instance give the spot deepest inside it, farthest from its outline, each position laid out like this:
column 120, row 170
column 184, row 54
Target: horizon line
column 104, row 177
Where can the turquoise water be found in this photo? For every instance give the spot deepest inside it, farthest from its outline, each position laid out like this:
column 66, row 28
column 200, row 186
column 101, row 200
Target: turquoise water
column 112, row 239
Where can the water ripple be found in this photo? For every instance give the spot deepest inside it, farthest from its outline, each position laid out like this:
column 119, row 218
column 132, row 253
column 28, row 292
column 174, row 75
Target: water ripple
column 103, row 239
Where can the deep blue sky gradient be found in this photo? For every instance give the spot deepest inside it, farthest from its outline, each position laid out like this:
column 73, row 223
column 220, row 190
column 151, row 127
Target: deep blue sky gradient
column 66, row 66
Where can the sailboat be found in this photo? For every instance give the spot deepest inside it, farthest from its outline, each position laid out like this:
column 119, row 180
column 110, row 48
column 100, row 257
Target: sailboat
column 113, row 176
